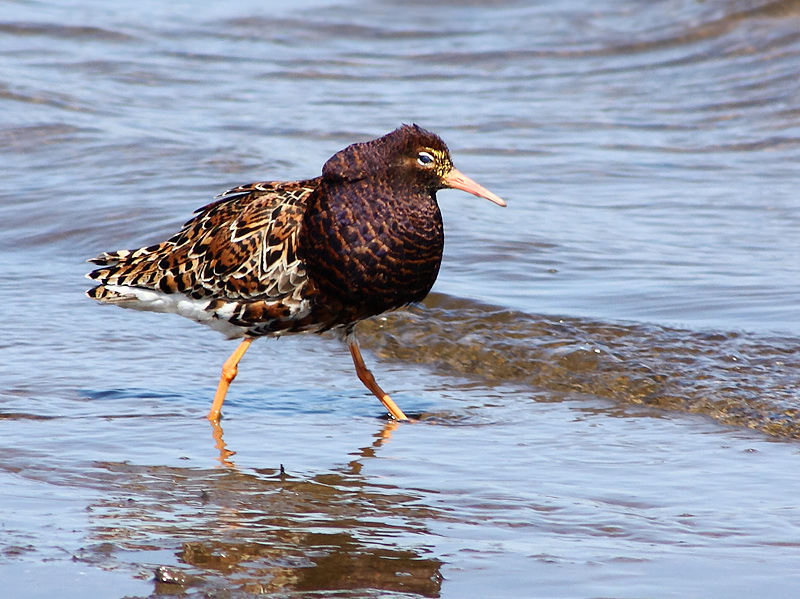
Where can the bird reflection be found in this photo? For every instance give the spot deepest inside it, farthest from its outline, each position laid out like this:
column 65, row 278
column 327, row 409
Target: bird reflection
column 263, row 531
column 384, row 435
column 225, row 454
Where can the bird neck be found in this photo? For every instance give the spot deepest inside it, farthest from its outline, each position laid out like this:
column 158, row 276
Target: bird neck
column 366, row 209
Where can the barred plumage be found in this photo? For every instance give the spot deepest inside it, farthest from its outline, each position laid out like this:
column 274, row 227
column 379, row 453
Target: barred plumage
column 234, row 266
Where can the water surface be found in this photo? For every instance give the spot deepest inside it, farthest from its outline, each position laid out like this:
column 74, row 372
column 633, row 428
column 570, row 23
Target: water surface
column 604, row 382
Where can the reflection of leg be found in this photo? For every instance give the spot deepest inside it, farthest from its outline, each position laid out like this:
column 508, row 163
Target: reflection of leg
column 369, row 381
column 385, row 434
column 370, row 451
column 219, row 443
column 229, row 370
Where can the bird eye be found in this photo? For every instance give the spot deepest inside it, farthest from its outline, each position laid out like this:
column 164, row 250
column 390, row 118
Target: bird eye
column 424, row 158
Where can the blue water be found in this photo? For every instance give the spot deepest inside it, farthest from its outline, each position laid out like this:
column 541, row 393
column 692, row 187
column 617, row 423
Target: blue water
column 648, row 154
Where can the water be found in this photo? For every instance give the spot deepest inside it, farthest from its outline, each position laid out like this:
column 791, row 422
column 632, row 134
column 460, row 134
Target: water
column 604, row 382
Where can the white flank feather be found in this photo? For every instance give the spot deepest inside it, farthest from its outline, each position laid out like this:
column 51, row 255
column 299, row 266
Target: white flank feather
column 150, row 300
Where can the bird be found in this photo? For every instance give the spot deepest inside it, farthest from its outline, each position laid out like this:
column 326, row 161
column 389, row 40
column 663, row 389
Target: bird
column 272, row 258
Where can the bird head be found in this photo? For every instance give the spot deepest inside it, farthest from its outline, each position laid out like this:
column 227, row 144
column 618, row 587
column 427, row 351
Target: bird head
column 410, row 153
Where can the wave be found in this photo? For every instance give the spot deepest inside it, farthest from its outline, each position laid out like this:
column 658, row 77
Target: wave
column 737, row 378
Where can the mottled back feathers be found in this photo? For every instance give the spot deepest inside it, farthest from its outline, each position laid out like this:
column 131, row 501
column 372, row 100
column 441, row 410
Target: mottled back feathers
column 237, row 259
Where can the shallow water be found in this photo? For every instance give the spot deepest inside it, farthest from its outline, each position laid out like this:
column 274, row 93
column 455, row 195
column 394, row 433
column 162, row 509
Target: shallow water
column 604, row 383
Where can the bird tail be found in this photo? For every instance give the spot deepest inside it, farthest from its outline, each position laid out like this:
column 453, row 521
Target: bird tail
column 125, row 269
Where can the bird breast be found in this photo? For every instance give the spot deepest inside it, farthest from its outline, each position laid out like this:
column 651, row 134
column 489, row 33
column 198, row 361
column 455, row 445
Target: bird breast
column 373, row 247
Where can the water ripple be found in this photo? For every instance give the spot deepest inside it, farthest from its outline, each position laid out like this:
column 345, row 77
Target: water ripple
column 737, row 379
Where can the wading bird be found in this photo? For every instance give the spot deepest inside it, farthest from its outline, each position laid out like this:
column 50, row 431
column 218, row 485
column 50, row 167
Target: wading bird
column 273, row 258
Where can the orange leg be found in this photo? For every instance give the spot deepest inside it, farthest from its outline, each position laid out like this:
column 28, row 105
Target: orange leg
column 229, row 370
column 365, row 376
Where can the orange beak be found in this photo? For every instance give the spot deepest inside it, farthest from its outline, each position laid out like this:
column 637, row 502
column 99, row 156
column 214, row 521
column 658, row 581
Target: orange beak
column 456, row 180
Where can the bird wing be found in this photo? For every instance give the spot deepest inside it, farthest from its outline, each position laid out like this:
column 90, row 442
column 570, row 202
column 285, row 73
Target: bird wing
column 240, row 248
